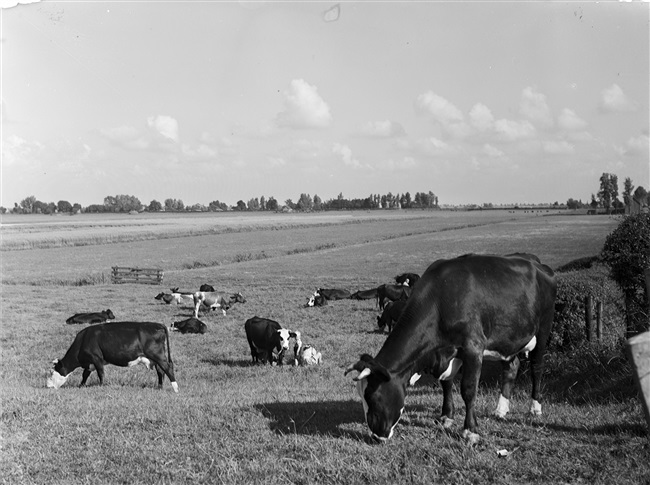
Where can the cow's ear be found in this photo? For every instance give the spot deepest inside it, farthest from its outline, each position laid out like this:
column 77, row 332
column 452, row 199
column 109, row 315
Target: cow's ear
column 366, row 366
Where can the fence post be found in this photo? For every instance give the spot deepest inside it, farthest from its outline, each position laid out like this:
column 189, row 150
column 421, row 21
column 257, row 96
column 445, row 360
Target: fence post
column 599, row 320
column 589, row 318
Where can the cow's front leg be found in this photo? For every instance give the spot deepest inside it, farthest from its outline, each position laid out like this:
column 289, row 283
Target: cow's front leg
column 84, row 377
column 508, row 376
column 447, row 417
column 468, row 390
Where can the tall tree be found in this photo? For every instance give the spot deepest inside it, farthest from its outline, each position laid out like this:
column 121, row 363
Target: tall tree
column 154, row 206
column 628, row 187
column 64, row 206
column 608, row 192
column 28, row 203
column 272, row 204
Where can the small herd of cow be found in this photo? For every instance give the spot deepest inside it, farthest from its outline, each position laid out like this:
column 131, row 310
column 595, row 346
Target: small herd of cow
column 460, row 312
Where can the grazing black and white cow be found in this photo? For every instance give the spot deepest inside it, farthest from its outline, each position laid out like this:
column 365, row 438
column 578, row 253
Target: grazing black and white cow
column 213, row 300
column 304, row 354
column 332, row 293
column 93, row 317
column 266, row 337
column 364, row 294
column 390, row 315
column 392, row 293
column 407, row 279
column 122, row 344
column 189, row 325
column 462, row 311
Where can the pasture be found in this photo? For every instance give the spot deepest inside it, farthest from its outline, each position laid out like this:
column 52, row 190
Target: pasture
column 234, row 422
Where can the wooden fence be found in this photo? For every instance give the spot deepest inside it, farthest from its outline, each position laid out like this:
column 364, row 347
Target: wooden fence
column 146, row 276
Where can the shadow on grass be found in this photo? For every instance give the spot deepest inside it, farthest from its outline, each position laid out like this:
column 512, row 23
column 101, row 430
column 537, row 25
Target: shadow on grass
column 324, row 418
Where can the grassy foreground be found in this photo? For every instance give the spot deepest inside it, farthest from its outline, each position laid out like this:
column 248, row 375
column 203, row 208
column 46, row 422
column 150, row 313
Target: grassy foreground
column 233, row 422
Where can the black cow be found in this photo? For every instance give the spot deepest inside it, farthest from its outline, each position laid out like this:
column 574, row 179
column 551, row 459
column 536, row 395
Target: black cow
column 364, row 294
column 392, row 312
column 94, row 317
column 461, row 311
column 392, row 293
column 121, row 343
column 189, row 325
column 407, row 279
column 332, row 294
column 206, row 287
column 265, row 336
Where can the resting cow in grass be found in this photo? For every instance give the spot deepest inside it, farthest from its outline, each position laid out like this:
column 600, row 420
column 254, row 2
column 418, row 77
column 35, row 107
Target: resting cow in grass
column 304, row 354
column 91, row 317
column 120, row 343
column 189, row 325
column 461, row 311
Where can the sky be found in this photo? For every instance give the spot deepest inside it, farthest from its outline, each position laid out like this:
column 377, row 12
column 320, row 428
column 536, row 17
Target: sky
column 478, row 102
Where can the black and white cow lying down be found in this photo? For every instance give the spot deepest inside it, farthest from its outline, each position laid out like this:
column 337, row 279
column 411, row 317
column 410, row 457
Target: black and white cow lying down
column 120, row 343
column 266, row 338
column 461, row 311
column 189, row 325
column 91, row 317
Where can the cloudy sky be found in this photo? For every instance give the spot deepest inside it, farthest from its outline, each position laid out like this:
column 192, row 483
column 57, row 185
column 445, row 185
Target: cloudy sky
column 501, row 102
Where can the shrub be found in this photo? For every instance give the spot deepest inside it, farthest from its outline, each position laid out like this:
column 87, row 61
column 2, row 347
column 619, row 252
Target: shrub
column 573, row 288
column 627, row 252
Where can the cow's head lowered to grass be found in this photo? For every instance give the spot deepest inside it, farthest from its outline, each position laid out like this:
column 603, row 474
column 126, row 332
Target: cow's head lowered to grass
column 382, row 396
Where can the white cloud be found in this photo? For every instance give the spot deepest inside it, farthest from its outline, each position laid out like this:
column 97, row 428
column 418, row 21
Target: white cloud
column 570, row 121
column 202, row 151
column 383, row 129
column 126, row 137
column 534, row 107
column 303, row 107
column 405, row 163
column 639, row 145
column 345, row 153
column 481, row 117
column 491, row 151
column 165, row 125
column 509, row 130
column 614, row 100
column 438, row 108
column 443, row 112
column 17, row 150
column 557, row 147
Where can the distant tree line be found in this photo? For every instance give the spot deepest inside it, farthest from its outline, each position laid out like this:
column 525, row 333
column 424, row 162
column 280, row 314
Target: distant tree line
column 305, row 203
column 607, row 197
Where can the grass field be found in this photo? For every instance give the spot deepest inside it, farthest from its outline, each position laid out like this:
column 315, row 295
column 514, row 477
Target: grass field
column 233, row 422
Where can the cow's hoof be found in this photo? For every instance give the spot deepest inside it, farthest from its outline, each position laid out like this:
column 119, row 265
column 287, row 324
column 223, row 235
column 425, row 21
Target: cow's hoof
column 175, row 386
column 471, row 438
column 535, row 408
column 446, row 422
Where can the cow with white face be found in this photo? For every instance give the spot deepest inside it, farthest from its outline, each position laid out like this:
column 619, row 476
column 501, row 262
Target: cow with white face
column 266, row 338
column 461, row 311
